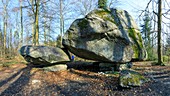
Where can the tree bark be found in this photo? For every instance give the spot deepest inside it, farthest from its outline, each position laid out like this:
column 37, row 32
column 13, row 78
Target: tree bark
column 160, row 61
column 5, row 18
column 1, row 42
column 61, row 21
column 4, row 30
column 37, row 23
column 21, row 17
column 35, row 31
column 10, row 44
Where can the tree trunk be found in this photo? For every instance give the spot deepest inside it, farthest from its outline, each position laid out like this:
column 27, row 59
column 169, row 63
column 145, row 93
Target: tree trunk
column 5, row 18
column 10, row 44
column 61, row 21
column 45, row 30
column 35, row 31
column 45, row 24
column 33, row 26
column 1, row 42
column 37, row 23
column 21, row 17
column 160, row 62
column 5, row 34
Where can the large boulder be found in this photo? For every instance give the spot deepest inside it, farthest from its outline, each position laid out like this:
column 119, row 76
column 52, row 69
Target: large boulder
column 106, row 36
column 43, row 55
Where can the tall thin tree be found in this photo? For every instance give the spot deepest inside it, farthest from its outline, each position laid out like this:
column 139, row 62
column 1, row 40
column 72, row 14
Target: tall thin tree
column 61, row 21
column 1, row 42
column 5, row 20
column 21, row 18
column 35, row 6
column 159, row 26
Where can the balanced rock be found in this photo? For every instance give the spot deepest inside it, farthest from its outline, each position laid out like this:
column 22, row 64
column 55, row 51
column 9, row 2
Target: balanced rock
column 43, row 55
column 106, row 36
column 130, row 78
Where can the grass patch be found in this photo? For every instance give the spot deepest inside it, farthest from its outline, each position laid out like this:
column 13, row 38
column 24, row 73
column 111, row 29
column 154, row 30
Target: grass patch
column 8, row 62
column 112, row 73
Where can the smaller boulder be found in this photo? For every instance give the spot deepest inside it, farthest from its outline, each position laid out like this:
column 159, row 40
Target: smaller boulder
column 130, row 78
column 60, row 67
column 44, row 55
column 125, row 66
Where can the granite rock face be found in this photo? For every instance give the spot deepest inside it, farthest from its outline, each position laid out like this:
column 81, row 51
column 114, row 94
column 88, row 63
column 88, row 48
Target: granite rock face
column 106, row 36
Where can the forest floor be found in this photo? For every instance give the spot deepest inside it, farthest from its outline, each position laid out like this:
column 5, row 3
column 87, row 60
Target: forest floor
column 19, row 79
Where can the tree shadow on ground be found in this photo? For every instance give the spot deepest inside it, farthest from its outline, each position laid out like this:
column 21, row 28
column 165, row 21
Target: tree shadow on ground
column 70, row 88
column 90, row 85
column 84, row 66
column 16, row 85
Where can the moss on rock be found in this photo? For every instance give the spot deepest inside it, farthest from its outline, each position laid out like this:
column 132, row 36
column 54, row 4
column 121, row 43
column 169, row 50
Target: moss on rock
column 83, row 23
column 129, row 78
column 70, row 35
column 105, row 15
column 102, row 13
column 137, row 39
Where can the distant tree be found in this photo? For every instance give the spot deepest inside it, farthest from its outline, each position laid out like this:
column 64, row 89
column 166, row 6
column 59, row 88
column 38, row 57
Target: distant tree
column 16, row 35
column 45, row 22
column 61, row 21
column 102, row 4
column 36, row 12
column 146, row 33
column 146, row 29
column 158, row 12
column 21, row 20
column 1, row 43
column 168, row 41
column 58, row 42
column 35, row 7
column 5, row 24
column 113, row 3
column 167, row 48
column 62, row 13
column 83, row 7
column 10, row 47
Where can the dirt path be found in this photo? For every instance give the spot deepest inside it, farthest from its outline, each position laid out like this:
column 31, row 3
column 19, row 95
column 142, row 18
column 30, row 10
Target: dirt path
column 22, row 80
column 160, row 76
